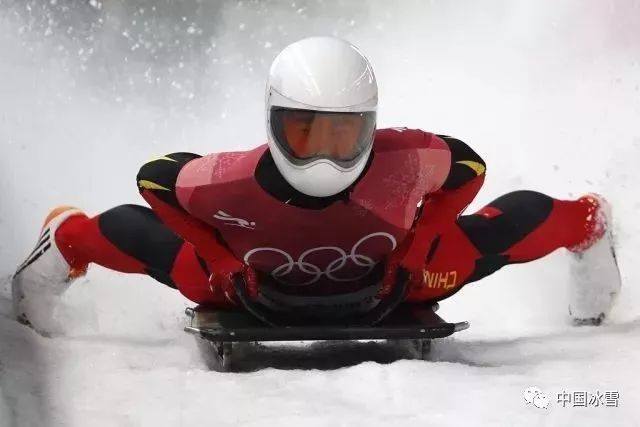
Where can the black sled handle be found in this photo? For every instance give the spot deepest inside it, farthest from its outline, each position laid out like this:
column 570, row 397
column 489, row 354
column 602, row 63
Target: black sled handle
column 259, row 311
column 388, row 303
column 385, row 306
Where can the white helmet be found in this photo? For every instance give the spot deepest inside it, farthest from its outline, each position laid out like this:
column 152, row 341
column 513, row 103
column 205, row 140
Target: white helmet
column 321, row 106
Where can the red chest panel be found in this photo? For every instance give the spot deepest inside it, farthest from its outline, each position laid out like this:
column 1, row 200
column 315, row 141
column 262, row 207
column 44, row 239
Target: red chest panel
column 315, row 252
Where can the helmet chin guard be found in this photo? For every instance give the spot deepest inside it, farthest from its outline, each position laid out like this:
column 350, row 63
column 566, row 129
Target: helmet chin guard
column 321, row 102
column 321, row 178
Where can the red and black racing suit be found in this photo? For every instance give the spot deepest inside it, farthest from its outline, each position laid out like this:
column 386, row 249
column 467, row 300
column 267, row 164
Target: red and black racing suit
column 517, row 227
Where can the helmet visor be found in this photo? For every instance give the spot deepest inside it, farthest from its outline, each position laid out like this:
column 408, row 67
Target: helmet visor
column 308, row 135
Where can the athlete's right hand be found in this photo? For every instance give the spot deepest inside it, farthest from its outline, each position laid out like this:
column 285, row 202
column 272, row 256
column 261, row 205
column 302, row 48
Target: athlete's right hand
column 224, row 269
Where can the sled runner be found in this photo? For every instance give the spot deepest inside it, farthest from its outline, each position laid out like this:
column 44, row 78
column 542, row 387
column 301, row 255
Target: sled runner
column 219, row 331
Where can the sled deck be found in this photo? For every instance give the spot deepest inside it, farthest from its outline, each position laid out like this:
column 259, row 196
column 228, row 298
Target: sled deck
column 406, row 322
column 218, row 333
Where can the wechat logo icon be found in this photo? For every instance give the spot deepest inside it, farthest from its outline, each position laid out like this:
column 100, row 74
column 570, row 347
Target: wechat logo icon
column 535, row 396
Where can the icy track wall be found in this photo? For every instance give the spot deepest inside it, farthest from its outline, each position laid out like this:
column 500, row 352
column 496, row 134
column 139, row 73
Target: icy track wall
column 547, row 92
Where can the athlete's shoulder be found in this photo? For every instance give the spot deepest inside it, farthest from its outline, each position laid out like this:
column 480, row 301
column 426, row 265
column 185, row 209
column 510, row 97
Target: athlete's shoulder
column 462, row 162
column 220, row 167
column 225, row 156
column 401, row 138
column 419, row 159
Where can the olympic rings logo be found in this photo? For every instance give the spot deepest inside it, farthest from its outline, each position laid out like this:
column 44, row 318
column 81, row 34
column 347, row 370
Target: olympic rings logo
column 331, row 269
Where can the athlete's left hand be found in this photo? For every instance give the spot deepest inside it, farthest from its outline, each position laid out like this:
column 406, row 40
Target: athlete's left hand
column 411, row 255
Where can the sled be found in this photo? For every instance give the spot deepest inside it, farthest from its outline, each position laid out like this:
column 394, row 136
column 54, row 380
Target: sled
column 220, row 332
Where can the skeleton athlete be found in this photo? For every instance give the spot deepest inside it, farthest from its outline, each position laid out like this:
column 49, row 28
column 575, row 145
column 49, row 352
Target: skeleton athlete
column 319, row 220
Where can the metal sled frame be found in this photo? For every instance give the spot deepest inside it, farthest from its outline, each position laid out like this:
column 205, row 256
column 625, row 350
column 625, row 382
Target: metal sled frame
column 407, row 322
column 218, row 333
column 218, row 330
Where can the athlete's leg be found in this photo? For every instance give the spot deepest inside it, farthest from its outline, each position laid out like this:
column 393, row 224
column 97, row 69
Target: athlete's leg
column 517, row 227
column 127, row 238
column 131, row 239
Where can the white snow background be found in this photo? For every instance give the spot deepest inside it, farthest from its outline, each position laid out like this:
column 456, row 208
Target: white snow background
column 548, row 92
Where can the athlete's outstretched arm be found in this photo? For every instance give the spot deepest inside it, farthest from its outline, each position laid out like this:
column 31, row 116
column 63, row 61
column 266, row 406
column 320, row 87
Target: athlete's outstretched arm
column 157, row 184
column 463, row 183
column 442, row 207
column 157, row 181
